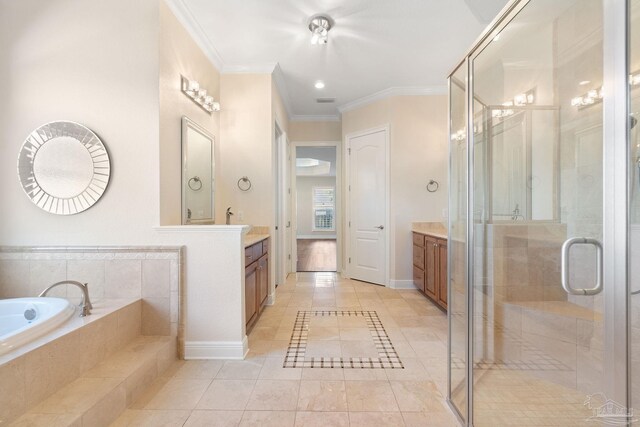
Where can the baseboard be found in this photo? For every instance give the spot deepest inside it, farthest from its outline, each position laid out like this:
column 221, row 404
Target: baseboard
column 216, row 349
column 271, row 299
column 314, row 237
column 402, row 284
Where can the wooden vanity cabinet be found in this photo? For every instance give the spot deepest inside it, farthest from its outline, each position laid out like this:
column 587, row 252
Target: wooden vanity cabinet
column 418, row 261
column 263, row 279
column 442, row 273
column 250, row 287
column 430, row 267
column 256, row 278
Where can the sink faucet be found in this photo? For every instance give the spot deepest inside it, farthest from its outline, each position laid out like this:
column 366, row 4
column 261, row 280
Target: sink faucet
column 86, row 302
column 229, row 213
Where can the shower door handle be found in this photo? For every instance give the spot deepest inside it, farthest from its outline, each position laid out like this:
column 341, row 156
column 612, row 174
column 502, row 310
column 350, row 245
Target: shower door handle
column 565, row 266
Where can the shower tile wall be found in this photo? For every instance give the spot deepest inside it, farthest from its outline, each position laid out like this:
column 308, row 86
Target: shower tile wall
column 152, row 274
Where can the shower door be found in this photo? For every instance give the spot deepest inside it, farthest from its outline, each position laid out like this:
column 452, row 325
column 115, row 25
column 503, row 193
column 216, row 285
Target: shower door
column 634, row 202
column 549, row 324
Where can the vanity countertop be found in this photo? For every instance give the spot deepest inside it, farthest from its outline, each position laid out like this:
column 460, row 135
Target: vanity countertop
column 435, row 229
column 252, row 239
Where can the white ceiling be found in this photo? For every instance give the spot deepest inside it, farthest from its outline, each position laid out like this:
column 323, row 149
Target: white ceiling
column 376, row 46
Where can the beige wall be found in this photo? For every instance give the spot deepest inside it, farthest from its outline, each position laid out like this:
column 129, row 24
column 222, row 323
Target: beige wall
column 418, row 152
column 315, row 131
column 95, row 63
column 179, row 55
column 246, row 148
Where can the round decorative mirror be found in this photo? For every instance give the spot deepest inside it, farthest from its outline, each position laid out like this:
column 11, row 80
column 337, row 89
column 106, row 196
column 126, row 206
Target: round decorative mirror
column 63, row 167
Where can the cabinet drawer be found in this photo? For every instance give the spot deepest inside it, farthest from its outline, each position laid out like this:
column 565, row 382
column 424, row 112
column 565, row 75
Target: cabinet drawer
column 252, row 253
column 265, row 246
column 248, row 256
column 418, row 256
column 418, row 239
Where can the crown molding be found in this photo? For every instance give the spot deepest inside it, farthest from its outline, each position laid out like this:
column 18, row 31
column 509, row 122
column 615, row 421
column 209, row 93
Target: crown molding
column 191, row 25
column 266, row 68
column 189, row 22
column 314, row 118
column 393, row 91
column 281, row 85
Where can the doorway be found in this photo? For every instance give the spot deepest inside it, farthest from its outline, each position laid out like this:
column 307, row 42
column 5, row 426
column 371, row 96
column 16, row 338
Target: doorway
column 282, row 235
column 316, row 193
column 367, row 205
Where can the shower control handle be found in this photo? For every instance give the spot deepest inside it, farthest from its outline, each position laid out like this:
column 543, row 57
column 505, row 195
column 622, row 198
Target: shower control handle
column 565, row 266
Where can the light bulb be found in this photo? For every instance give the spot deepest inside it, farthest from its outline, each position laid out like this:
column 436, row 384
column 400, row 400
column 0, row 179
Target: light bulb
column 319, row 84
column 520, row 99
column 193, row 87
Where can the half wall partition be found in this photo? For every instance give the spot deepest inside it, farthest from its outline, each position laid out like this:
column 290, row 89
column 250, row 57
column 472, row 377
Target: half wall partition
column 544, row 189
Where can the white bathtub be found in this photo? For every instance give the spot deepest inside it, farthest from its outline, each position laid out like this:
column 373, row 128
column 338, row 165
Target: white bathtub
column 24, row 319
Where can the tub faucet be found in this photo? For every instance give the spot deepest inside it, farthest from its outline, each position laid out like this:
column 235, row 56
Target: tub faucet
column 84, row 287
column 229, row 213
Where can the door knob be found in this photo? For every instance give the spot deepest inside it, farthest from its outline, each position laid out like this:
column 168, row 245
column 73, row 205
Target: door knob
column 380, row 227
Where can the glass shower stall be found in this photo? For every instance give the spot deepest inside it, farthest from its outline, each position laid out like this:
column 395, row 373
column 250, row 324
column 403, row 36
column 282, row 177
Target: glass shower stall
column 544, row 217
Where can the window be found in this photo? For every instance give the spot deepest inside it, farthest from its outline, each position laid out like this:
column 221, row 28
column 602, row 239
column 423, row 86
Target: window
column 324, row 207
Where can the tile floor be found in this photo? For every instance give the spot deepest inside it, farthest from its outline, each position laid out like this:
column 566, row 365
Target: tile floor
column 259, row 391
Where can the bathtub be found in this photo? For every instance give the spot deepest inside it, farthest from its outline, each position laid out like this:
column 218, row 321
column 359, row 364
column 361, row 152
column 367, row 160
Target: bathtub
column 24, row 319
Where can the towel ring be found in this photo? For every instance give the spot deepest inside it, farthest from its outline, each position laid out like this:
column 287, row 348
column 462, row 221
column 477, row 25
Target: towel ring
column 247, row 184
column 196, row 185
column 433, row 186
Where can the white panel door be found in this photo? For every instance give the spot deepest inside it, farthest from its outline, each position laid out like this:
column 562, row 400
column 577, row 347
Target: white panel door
column 368, row 207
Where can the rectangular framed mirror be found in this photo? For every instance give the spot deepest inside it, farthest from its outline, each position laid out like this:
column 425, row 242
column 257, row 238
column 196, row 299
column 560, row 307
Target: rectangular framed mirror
column 197, row 174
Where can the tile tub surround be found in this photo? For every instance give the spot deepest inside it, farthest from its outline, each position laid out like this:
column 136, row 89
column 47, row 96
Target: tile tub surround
column 35, row 371
column 153, row 273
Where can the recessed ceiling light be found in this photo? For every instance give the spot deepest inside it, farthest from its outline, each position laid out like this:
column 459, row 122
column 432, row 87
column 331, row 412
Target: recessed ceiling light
column 319, row 84
column 584, row 82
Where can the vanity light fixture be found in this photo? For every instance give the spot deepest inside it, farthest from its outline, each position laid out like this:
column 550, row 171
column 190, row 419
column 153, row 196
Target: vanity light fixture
column 459, row 136
column 192, row 89
column 520, row 100
column 592, row 97
column 595, row 96
column 319, row 25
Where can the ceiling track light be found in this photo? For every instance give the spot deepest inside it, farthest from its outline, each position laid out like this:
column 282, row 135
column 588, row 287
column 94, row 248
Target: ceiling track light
column 319, row 25
column 192, row 89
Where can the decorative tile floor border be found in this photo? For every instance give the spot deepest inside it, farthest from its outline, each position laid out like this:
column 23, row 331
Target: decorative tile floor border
column 295, row 358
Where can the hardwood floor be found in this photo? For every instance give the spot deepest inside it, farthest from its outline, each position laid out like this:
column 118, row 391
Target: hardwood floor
column 317, row 255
